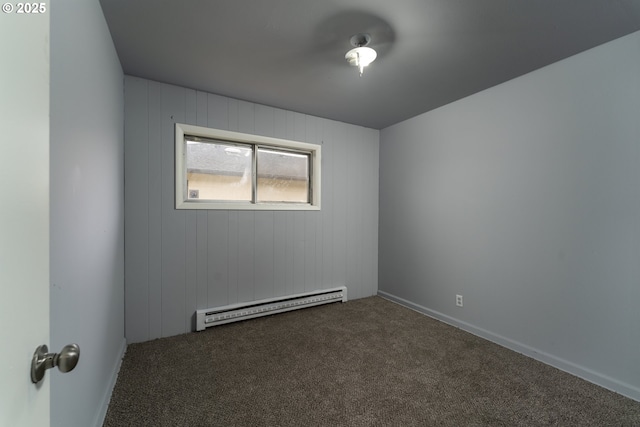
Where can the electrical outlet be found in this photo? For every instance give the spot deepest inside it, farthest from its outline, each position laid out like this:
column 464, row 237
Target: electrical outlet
column 459, row 300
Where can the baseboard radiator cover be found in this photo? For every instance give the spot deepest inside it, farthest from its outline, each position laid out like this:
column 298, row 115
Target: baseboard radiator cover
column 242, row 311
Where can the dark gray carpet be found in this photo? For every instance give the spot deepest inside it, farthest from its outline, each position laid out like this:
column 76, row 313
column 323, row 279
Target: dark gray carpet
column 368, row 362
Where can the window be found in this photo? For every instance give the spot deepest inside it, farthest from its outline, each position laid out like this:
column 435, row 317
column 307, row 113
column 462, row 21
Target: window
column 218, row 169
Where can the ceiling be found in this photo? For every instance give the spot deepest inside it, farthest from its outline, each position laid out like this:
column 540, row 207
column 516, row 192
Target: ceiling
column 290, row 53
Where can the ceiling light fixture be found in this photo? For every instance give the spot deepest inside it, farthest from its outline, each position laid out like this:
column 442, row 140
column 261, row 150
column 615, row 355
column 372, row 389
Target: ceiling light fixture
column 361, row 55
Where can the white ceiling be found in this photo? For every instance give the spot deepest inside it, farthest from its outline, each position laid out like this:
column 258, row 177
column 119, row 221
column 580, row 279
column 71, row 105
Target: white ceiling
column 290, row 53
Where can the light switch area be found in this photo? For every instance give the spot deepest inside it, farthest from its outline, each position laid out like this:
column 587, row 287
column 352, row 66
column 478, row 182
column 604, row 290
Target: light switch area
column 459, row 300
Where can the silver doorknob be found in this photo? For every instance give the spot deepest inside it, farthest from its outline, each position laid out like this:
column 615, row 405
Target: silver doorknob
column 42, row 360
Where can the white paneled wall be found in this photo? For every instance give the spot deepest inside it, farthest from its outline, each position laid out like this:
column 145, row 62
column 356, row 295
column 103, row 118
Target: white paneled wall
column 180, row 261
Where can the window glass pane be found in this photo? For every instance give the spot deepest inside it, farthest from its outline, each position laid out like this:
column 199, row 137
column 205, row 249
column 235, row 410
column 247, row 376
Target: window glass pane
column 217, row 171
column 282, row 176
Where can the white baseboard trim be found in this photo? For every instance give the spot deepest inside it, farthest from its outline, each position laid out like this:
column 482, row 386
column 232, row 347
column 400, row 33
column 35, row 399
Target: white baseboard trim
column 587, row 374
column 104, row 404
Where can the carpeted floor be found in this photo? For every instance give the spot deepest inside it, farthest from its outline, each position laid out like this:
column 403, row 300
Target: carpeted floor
column 367, row 362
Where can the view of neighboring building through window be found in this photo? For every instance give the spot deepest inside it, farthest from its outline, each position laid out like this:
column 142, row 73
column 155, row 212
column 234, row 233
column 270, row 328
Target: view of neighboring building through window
column 243, row 171
column 282, row 176
column 218, row 171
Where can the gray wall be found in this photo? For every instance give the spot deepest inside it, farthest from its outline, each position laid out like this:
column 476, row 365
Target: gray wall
column 180, row 261
column 525, row 199
column 87, row 210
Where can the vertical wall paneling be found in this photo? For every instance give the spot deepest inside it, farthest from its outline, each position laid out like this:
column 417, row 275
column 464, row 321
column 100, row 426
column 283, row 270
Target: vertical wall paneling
column 246, row 221
column 300, row 225
column 298, row 252
column 340, row 200
column 264, row 278
column 202, row 264
column 264, row 264
column 136, row 202
column 327, row 276
column 202, row 109
column 280, row 254
column 219, row 251
column 217, row 112
column 173, row 221
column 218, row 238
column 181, row 261
column 280, row 247
column 264, row 120
column 234, row 226
column 233, row 260
column 279, row 123
column 191, row 267
column 153, row 210
column 246, row 117
column 310, row 219
column 202, row 230
column 191, row 232
column 289, row 245
column 233, row 115
column 354, row 236
column 291, row 242
column 317, row 275
column 299, row 127
column 246, row 261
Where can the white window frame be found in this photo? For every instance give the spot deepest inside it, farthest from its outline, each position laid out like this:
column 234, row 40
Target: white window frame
column 183, row 202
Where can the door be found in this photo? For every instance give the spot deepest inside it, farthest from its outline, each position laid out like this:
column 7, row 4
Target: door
column 24, row 213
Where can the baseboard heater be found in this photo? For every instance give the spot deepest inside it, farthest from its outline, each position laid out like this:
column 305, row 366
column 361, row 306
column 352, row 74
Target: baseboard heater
column 242, row 311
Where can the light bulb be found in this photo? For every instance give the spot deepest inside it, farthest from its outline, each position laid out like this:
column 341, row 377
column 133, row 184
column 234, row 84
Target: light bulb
column 361, row 57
